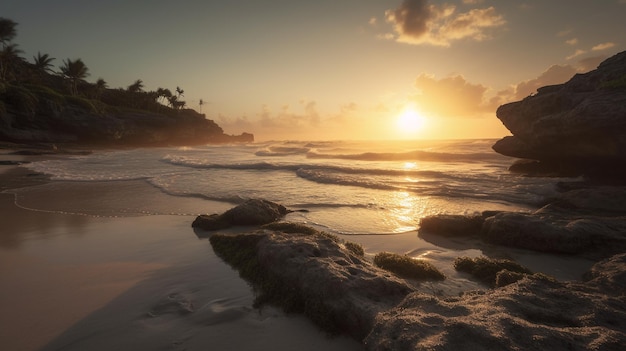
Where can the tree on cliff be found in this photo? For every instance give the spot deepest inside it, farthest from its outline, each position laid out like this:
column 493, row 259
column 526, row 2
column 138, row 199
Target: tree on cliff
column 9, row 51
column 7, row 31
column 9, row 57
column 136, row 87
column 43, row 63
column 100, row 86
column 74, row 71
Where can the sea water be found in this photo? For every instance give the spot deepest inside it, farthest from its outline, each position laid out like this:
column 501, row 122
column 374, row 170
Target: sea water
column 345, row 187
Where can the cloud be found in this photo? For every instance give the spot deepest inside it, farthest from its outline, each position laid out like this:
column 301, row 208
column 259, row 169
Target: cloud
column 564, row 33
column 572, row 41
column 590, row 63
column 577, row 53
column 418, row 22
column 603, row 46
column 555, row 74
column 450, row 97
column 454, row 96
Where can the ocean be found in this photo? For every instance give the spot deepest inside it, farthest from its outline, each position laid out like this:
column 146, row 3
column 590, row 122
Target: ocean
column 345, row 187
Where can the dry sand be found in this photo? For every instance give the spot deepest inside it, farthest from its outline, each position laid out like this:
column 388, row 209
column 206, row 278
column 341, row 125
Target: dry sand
column 124, row 276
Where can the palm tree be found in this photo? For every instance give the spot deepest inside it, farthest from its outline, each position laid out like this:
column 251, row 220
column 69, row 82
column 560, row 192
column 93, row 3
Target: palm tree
column 136, row 87
column 200, row 103
column 9, row 51
column 43, row 62
column 7, row 31
column 163, row 95
column 9, row 55
column 179, row 91
column 75, row 71
column 100, row 85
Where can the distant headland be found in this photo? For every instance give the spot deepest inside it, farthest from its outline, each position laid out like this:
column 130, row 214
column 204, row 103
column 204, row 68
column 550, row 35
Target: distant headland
column 40, row 105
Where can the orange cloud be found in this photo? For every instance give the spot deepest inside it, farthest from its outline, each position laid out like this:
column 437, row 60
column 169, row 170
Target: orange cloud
column 603, row 46
column 576, row 54
column 418, row 22
column 555, row 74
column 450, row 97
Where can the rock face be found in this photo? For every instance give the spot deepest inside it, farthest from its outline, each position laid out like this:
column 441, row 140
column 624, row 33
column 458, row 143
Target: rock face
column 534, row 313
column 317, row 274
column 313, row 274
column 56, row 122
column 251, row 212
column 588, row 221
column 576, row 127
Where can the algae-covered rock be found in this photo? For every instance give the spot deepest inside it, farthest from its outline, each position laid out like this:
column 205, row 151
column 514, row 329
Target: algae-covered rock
column 487, row 270
column 407, row 267
column 251, row 212
column 313, row 274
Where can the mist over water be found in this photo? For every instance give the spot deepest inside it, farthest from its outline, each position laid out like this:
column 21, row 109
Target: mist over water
column 347, row 187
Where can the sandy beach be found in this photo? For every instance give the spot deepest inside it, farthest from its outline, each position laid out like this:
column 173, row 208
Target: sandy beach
column 116, row 277
column 78, row 282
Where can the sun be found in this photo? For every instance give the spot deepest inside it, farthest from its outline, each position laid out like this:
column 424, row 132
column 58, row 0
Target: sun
column 410, row 121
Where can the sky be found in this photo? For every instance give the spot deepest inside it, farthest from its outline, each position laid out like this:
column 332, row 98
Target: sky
column 331, row 69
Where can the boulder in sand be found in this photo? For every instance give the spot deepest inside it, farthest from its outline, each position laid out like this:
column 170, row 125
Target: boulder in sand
column 315, row 274
column 251, row 212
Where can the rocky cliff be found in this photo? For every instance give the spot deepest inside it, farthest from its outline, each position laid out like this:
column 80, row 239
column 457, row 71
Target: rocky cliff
column 35, row 114
column 574, row 128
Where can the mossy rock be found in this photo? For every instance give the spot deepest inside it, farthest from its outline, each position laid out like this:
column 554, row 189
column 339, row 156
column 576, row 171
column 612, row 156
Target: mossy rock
column 407, row 267
column 355, row 248
column 298, row 228
column 486, row 270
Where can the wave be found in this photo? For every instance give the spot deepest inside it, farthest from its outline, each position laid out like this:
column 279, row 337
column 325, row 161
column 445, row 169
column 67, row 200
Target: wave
column 416, row 155
column 274, row 151
column 301, row 167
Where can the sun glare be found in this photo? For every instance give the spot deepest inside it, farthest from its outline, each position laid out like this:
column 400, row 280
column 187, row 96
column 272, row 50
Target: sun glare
column 410, row 121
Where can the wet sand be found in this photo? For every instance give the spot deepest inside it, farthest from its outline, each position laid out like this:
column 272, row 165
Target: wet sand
column 118, row 277
column 124, row 282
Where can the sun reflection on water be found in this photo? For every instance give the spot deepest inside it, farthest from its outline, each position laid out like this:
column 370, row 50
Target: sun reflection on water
column 406, row 210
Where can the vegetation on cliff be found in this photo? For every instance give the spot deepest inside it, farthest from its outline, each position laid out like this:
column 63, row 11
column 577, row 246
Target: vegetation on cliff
column 38, row 104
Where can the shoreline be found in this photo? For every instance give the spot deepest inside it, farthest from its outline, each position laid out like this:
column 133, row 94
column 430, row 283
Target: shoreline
column 66, row 275
column 140, row 263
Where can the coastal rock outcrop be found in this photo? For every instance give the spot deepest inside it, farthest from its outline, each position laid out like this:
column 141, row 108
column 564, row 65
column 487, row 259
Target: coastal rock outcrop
column 81, row 122
column 578, row 127
column 314, row 274
column 588, row 221
column 534, row 313
column 251, row 212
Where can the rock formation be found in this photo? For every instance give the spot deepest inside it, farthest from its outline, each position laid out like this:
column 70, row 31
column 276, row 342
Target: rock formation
column 309, row 272
column 251, row 212
column 313, row 274
column 47, row 117
column 535, row 313
column 588, row 221
column 578, row 127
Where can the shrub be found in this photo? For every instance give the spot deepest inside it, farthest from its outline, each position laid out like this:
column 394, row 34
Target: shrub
column 619, row 83
column 486, row 269
column 21, row 99
column 355, row 248
column 407, row 267
column 83, row 103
